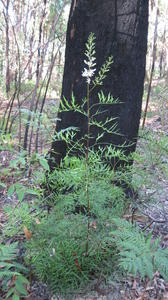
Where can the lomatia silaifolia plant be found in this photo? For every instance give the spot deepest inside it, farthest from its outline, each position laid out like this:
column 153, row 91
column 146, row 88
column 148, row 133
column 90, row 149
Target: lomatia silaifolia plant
column 84, row 237
column 88, row 73
column 71, row 245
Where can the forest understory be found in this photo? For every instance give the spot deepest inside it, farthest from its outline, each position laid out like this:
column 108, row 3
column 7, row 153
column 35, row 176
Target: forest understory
column 147, row 208
column 83, row 216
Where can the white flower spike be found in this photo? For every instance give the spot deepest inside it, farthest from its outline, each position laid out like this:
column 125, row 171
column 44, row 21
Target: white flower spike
column 90, row 62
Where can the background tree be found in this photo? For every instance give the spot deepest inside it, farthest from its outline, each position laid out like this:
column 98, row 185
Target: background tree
column 157, row 63
column 121, row 30
column 32, row 37
column 153, row 66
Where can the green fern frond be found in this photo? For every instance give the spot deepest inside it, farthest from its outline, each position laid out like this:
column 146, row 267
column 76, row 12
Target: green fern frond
column 137, row 253
column 161, row 262
column 8, row 252
column 9, row 268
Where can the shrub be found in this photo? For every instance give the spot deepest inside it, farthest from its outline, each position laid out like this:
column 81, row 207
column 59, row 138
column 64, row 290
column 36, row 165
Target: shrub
column 58, row 249
column 72, row 244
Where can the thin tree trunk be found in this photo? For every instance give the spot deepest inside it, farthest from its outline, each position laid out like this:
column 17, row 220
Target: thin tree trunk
column 11, row 105
column 41, row 57
column 38, row 76
column 31, row 48
column 40, row 40
column 6, row 16
column 152, row 68
column 162, row 62
column 44, row 99
column 162, row 53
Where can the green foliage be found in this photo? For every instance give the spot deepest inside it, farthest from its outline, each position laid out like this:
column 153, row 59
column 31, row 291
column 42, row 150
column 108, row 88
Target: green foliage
column 27, row 87
column 103, row 72
column 159, row 99
column 151, row 162
column 139, row 254
column 57, row 250
column 77, row 237
column 11, row 272
column 156, row 147
column 20, row 161
column 6, row 142
column 21, row 191
column 67, row 183
column 23, row 162
column 22, row 165
column 23, row 214
column 72, row 245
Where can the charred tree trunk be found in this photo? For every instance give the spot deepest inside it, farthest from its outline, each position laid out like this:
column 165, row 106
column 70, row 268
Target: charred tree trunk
column 121, row 30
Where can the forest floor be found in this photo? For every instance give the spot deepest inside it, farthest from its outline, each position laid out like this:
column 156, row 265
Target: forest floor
column 149, row 210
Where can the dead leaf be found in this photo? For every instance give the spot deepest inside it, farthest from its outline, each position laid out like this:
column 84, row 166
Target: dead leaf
column 77, row 264
column 76, row 261
column 28, row 234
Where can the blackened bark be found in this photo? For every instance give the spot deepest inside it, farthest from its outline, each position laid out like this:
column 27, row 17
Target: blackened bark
column 121, row 30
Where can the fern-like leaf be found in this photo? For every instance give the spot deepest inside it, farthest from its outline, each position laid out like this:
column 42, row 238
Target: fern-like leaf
column 137, row 253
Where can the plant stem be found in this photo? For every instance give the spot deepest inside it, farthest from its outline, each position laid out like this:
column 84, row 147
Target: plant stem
column 87, row 166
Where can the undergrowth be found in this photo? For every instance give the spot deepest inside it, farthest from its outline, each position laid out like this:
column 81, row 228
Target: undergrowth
column 70, row 247
column 76, row 229
column 57, row 250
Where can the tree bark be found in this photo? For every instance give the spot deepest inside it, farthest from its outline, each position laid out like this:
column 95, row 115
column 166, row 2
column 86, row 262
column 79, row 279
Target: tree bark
column 121, row 30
